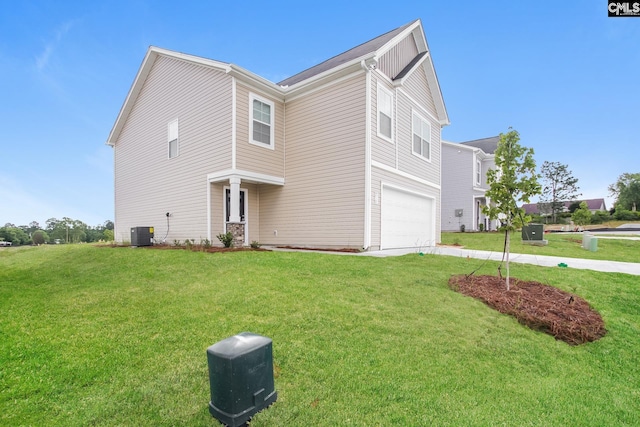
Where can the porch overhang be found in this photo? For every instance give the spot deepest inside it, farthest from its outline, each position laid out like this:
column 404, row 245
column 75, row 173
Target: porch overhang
column 244, row 176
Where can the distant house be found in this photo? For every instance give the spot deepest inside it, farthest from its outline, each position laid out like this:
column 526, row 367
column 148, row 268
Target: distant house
column 594, row 206
column 464, row 183
column 344, row 154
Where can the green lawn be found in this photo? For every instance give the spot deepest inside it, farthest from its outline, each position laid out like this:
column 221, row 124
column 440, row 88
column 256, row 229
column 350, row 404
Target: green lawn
column 118, row 337
column 562, row 245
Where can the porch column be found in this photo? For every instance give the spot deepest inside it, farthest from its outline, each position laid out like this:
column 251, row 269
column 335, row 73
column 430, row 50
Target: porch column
column 234, row 226
column 234, row 203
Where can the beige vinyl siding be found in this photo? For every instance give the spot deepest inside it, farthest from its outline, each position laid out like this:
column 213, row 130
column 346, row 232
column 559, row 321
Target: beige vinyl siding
column 147, row 183
column 322, row 201
column 398, row 57
column 380, row 177
column 418, row 88
column 381, row 149
column 251, row 157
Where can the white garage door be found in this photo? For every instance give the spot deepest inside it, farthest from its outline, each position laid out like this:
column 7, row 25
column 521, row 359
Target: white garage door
column 407, row 219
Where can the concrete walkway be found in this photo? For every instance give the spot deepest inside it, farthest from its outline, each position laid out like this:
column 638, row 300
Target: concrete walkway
column 544, row 261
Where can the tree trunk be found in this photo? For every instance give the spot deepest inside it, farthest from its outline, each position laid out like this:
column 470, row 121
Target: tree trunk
column 508, row 249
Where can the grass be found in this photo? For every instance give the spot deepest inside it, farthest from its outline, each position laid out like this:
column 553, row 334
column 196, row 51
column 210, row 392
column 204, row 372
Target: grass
column 118, row 336
column 562, row 245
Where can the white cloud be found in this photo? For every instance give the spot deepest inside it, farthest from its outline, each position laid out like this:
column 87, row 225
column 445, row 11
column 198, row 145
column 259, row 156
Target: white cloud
column 42, row 60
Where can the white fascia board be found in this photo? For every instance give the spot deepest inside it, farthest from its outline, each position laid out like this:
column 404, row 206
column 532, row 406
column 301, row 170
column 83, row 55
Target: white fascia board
column 320, row 79
column 401, row 81
column 249, row 176
column 136, row 86
column 147, row 63
column 266, row 86
column 421, row 44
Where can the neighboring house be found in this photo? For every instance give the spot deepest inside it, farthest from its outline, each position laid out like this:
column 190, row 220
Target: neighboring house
column 345, row 154
column 594, row 206
column 464, row 184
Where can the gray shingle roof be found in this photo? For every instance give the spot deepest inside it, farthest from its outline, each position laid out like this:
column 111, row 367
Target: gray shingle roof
column 488, row 145
column 351, row 54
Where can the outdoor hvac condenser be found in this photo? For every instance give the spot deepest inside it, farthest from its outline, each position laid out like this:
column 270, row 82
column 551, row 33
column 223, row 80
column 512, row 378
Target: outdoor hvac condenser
column 241, row 377
column 141, row 236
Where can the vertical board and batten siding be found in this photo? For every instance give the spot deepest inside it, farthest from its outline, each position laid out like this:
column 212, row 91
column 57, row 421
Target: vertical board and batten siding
column 397, row 58
column 251, row 157
column 147, row 183
column 457, row 187
column 322, row 201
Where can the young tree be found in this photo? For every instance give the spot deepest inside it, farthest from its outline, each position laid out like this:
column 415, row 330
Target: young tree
column 582, row 215
column 626, row 190
column 559, row 185
column 512, row 183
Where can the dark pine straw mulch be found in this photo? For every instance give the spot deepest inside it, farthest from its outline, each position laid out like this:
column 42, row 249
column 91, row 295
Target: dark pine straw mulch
column 541, row 307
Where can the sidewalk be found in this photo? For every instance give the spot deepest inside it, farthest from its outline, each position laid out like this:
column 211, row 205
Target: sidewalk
column 544, row 261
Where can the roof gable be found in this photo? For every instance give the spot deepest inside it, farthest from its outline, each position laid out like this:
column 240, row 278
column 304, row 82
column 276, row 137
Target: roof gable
column 365, row 55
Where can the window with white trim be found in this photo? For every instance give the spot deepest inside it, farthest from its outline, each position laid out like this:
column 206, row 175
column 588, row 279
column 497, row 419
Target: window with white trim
column 385, row 113
column 261, row 122
column 478, row 172
column 421, row 131
column 172, row 138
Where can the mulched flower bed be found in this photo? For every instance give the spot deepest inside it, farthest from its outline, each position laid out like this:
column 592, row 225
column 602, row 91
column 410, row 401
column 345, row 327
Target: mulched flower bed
column 541, row 307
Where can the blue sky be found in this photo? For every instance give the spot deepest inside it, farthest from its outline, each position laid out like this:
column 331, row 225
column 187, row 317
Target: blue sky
column 561, row 73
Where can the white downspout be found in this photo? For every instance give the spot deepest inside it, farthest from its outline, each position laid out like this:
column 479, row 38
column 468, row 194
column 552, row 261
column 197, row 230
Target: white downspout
column 367, row 65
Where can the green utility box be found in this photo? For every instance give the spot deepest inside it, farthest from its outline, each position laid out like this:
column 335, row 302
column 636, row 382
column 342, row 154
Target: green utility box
column 241, row 377
column 533, row 232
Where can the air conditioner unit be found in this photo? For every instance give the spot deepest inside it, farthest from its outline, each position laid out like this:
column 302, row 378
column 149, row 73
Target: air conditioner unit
column 141, row 236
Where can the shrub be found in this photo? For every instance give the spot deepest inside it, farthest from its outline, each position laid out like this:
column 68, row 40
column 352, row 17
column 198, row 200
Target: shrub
column 255, row 244
column 226, row 239
column 205, row 244
column 625, row 215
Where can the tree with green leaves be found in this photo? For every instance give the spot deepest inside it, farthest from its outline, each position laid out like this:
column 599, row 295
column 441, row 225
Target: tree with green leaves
column 512, row 183
column 559, row 185
column 626, row 190
column 582, row 215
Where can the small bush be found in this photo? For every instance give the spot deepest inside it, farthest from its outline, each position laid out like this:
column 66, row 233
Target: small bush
column 226, row 239
column 176, row 243
column 624, row 215
column 205, row 244
column 255, row 244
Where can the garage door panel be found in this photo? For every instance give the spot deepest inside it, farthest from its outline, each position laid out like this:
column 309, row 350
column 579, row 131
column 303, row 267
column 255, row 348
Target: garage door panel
column 407, row 219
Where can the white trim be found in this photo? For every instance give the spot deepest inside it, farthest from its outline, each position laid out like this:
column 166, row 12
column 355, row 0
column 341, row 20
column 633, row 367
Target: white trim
column 381, row 88
column 245, row 176
column 387, row 168
column 477, row 175
column 209, row 211
column 324, row 85
column 434, row 217
column 420, row 155
column 417, row 104
column 246, row 212
column 272, row 118
column 367, row 163
column 234, row 100
column 171, row 137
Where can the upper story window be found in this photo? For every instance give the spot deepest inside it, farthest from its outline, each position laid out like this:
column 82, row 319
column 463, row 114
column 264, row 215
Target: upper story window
column 172, row 138
column 385, row 113
column 478, row 172
column 261, row 121
column 421, row 131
